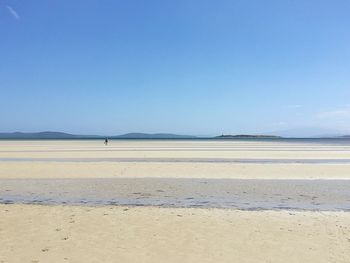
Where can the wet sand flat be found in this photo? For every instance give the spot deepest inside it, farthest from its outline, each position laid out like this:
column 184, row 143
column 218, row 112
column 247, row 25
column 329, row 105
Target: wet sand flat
column 315, row 195
column 31, row 233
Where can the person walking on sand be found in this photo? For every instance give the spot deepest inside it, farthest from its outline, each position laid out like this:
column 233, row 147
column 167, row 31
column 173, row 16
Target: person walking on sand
column 106, row 141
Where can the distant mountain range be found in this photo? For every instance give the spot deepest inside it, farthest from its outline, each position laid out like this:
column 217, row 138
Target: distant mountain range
column 152, row 136
column 41, row 135
column 62, row 135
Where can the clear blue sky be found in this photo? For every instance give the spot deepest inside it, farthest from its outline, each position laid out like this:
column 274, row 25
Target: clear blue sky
column 184, row 66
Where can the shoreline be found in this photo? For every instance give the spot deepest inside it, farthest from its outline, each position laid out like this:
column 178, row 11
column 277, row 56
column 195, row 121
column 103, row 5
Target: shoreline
column 251, row 194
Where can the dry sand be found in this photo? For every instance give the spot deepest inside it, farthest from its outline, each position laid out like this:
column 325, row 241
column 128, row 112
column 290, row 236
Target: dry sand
column 172, row 170
column 32, row 233
column 172, row 149
column 42, row 233
column 186, row 150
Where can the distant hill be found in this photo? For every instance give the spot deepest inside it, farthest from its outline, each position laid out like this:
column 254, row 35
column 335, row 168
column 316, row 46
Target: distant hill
column 62, row 135
column 153, row 136
column 39, row 135
column 247, row 136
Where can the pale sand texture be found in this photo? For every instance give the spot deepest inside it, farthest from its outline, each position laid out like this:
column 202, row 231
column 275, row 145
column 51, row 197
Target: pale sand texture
column 172, row 170
column 171, row 149
column 32, row 233
column 186, row 150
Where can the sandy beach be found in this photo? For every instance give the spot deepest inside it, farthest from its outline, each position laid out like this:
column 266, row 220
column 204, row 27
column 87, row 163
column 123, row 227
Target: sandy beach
column 173, row 159
column 170, row 149
column 149, row 234
column 174, row 201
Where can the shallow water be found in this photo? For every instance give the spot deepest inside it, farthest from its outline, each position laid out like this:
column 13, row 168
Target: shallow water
column 316, row 195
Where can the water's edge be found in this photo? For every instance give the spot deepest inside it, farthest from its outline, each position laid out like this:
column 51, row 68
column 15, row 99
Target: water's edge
column 252, row 194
